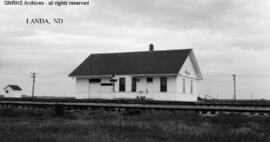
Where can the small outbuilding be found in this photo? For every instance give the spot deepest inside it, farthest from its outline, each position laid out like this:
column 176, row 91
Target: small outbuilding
column 13, row 91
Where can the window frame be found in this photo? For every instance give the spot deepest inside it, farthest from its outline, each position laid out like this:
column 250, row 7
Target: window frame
column 133, row 84
column 94, row 80
column 149, row 79
column 122, row 84
column 163, row 84
column 183, row 85
column 191, row 86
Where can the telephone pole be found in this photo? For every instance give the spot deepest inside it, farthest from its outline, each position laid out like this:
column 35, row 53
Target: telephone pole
column 33, row 75
column 234, row 86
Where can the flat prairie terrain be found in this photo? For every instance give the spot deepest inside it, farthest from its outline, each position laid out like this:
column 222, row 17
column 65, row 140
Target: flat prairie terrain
column 147, row 126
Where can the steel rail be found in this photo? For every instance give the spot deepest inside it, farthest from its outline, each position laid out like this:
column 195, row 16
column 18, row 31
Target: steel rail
column 239, row 103
column 112, row 106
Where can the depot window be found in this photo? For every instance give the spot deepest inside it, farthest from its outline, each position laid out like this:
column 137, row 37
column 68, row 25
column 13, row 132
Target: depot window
column 184, row 85
column 122, row 84
column 149, row 79
column 163, row 84
column 134, row 84
column 191, row 86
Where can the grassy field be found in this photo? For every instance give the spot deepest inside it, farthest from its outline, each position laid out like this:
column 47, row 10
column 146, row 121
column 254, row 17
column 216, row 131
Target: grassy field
column 151, row 126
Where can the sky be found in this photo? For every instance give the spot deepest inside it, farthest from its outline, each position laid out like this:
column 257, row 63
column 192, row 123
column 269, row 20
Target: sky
column 227, row 36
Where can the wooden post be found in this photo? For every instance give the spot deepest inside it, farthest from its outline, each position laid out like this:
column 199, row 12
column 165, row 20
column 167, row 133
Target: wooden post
column 33, row 87
column 234, row 86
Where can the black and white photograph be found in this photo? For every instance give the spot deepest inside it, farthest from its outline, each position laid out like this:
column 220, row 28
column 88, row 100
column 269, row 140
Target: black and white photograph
column 134, row 71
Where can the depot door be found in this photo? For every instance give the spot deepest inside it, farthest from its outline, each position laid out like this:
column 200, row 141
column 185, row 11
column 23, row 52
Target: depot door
column 94, row 88
column 149, row 85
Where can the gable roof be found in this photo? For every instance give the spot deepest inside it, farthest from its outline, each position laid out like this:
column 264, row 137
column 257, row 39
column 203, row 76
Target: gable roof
column 147, row 62
column 14, row 87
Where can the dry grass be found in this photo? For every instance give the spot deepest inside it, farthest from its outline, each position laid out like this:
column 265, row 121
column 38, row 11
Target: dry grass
column 152, row 126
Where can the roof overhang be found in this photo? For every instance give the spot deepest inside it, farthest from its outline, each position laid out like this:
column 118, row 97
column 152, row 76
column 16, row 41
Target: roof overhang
column 96, row 76
column 10, row 86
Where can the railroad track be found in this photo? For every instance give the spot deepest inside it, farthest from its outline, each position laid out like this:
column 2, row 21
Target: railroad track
column 61, row 107
column 256, row 103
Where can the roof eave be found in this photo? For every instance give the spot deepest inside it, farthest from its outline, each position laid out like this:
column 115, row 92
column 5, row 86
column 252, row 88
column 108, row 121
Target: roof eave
column 169, row 74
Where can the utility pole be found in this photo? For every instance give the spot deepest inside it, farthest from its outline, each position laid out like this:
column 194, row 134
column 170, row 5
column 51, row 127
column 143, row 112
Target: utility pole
column 234, row 86
column 33, row 75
